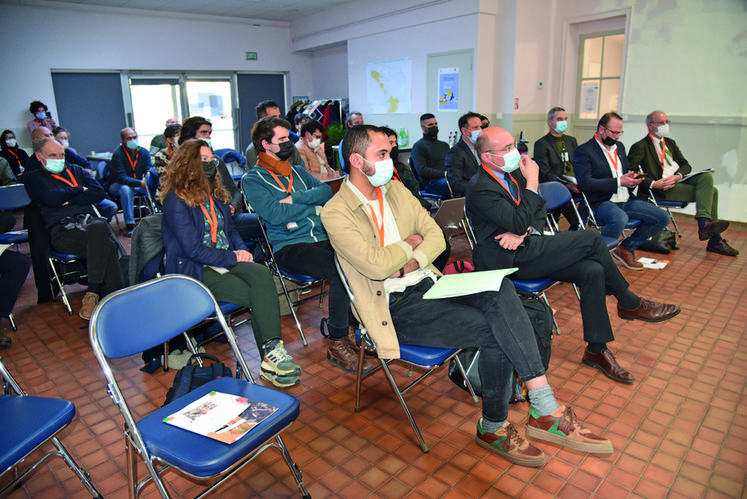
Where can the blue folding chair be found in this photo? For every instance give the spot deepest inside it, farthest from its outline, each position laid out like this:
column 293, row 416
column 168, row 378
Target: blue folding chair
column 13, row 197
column 414, row 356
column 67, row 268
column 668, row 205
column 28, row 424
column 116, row 332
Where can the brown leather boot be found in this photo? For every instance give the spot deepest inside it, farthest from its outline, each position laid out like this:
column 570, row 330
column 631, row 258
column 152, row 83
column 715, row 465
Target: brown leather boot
column 353, row 342
column 340, row 353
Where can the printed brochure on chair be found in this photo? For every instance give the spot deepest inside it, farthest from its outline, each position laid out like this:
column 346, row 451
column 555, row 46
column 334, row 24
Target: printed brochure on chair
column 221, row 416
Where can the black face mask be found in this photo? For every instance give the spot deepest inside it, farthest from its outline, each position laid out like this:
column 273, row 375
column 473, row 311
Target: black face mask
column 394, row 153
column 286, row 150
column 210, row 168
column 609, row 141
column 433, row 132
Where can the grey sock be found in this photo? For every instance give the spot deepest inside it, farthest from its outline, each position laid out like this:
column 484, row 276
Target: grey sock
column 490, row 426
column 543, row 400
column 628, row 300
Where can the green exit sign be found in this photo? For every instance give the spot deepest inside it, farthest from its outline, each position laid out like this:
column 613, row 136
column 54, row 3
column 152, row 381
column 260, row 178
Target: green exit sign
column 251, row 56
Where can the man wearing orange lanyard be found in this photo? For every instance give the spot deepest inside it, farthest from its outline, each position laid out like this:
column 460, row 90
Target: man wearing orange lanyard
column 605, row 178
column 662, row 161
column 386, row 244
column 65, row 195
column 508, row 216
column 127, row 171
column 289, row 198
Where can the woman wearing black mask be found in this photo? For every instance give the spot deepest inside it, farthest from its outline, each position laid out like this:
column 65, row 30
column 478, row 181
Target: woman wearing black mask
column 202, row 242
column 9, row 150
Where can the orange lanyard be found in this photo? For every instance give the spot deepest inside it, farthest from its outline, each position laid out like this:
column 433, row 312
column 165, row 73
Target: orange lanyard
column 662, row 156
column 39, row 122
column 380, row 224
column 517, row 199
column 132, row 164
column 396, row 175
column 212, row 220
column 168, row 151
column 290, row 182
column 14, row 154
column 612, row 158
column 72, row 182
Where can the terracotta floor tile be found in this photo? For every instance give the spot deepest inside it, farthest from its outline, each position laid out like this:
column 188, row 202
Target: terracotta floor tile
column 679, row 431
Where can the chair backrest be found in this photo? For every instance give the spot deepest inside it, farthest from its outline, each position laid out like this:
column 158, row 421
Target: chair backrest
column 13, row 196
column 555, row 194
column 450, row 213
column 140, row 317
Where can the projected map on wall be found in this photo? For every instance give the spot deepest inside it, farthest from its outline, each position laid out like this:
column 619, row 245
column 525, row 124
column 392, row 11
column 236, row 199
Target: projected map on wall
column 388, row 86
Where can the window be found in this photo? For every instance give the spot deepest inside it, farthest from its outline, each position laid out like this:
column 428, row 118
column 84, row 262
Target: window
column 600, row 67
column 154, row 100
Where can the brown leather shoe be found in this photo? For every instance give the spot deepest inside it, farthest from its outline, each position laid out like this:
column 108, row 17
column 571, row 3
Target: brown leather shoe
column 650, row 311
column 711, row 229
column 607, row 363
column 510, row 445
column 89, row 303
column 722, row 248
column 352, row 340
column 563, row 428
column 627, row 258
column 341, row 354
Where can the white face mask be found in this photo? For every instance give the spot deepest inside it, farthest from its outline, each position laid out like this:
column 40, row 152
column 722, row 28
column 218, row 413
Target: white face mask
column 383, row 173
column 510, row 161
column 11, row 142
column 314, row 143
column 663, row 130
column 55, row 165
column 473, row 135
column 65, row 143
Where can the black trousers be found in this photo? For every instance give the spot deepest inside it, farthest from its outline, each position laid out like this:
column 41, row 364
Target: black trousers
column 318, row 260
column 96, row 243
column 14, row 267
column 580, row 257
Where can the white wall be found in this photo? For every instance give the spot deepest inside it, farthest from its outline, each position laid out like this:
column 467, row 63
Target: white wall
column 330, row 72
column 101, row 39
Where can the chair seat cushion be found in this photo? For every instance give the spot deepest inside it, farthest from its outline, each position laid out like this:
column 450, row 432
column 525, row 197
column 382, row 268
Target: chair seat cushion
column 202, row 456
column 14, row 237
column 663, row 203
column 228, row 308
column 64, row 257
column 298, row 277
column 533, row 285
column 424, row 356
column 27, row 423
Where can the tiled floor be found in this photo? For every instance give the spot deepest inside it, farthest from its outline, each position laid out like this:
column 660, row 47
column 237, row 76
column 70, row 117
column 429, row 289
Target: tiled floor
column 679, row 431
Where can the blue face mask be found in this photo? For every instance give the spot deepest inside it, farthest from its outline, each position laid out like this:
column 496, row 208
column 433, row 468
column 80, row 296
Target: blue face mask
column 510, row 160
column 474, row 135
column 561, row 126
column 383, row 173
column 55, row 165
column 41, row 116
column 132, row 144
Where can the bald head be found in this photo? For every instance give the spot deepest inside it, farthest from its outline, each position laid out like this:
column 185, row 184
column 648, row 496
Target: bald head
column 492, row 144
column 40, row 133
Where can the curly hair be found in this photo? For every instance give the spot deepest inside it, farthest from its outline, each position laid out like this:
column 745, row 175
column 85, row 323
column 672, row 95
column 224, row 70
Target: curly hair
column 187, row 179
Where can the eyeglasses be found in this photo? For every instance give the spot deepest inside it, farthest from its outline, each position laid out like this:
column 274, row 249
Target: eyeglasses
column 613, row 132
column 665, row 122
column 502, row 152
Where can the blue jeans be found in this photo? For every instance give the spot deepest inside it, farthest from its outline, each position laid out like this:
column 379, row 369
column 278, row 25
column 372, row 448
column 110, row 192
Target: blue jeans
column 107, row 208
column 126, row 195
column 496, row 322
column 614, row 217
column 439, row 187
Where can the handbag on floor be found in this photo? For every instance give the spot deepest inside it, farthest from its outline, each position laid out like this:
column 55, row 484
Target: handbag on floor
column 661, row 242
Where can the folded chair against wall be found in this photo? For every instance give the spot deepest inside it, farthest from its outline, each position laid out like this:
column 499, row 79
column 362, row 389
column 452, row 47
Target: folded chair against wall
column 116, row 332
column 413, row 356
column 29, row 423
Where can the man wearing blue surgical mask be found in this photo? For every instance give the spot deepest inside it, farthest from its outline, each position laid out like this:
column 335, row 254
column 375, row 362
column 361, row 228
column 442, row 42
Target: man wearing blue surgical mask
column 508, row 217
column 65, row 195
column 554, row 156
column 127, row 170
column 461, row 160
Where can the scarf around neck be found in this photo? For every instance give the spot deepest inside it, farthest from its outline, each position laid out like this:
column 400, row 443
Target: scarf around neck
column 282, row 168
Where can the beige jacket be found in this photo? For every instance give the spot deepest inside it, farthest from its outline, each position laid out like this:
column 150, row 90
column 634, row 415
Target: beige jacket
column 355, row 239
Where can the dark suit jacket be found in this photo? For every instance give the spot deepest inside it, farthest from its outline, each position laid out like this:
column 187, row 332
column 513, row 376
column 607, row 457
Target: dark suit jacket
column 492, row 211
column 643, row 154
column 547, row 156
column 461, row 165
column 593, row 172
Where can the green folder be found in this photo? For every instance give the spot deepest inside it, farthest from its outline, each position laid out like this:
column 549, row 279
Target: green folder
column 469, row 283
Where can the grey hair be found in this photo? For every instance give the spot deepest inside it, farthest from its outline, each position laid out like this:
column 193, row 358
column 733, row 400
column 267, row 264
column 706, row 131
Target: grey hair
column 39, row 144
column 551, row 112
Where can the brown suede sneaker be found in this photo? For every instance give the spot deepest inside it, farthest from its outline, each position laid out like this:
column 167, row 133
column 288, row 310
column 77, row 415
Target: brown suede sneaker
column 562, row 428
column 341, row 354
column 89, row 303
column 507, row 443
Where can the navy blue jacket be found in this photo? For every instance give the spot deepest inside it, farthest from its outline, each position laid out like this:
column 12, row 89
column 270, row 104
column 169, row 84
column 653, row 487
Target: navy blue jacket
column 120, row 170
column 593, row 172
column 183, row 230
